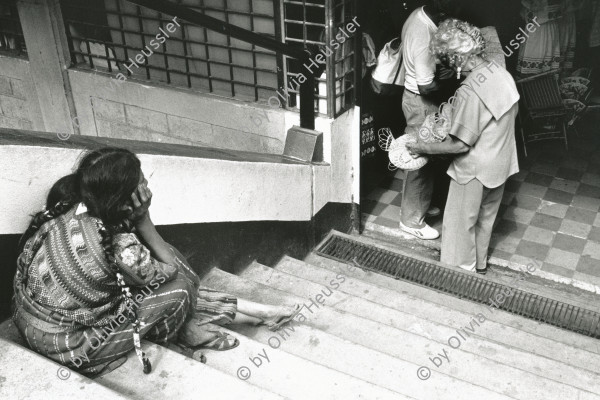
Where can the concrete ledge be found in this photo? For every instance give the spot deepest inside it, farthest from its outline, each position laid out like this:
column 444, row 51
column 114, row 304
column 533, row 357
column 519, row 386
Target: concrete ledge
column 190, row 185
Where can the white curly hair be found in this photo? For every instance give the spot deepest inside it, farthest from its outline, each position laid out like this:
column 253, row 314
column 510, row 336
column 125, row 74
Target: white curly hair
column 455, row 42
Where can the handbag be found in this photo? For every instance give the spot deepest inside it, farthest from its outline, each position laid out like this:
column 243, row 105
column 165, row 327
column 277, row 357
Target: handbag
column 386, row 79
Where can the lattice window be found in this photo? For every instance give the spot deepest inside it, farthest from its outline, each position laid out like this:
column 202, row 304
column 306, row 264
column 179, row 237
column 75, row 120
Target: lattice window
column 345, row 63
column 111, row 34
column 315, row 24
column 121, row 37
column 12, row 41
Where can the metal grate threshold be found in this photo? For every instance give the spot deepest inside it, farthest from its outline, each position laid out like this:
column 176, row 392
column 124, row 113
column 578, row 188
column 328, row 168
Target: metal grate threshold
column 463, row 285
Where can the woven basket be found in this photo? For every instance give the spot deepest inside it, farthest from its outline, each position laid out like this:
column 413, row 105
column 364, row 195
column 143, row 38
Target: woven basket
column 401, row 158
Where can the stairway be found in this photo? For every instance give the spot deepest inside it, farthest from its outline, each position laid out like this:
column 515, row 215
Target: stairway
column 362, row 335
column 381, row 331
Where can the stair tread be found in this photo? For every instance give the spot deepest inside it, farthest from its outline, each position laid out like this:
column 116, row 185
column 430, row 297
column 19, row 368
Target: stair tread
column 175, row 376
column 345, row 356
column 503, row 344
column 288, row 374
column 548, row 333
column 44, row 378
column 415, row 345
column 353, row 329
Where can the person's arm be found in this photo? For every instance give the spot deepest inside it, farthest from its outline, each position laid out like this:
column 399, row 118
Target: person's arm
column 429, row 89
column 467, row 115
column 145, row 228
column 450, row 145
column 160, row 249
column 425, row 69
column 434, row 82
column 444, row 85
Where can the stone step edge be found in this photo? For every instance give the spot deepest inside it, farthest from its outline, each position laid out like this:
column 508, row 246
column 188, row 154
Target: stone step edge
column 321, row 262
column 507, row 365
column 105, row 381
column 85, row 385
column 351, row 347
column 220, row 274
column 299, row 264
column 163, row 356
column 253, row 343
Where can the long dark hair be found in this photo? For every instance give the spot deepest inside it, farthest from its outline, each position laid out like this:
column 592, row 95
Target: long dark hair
column 104, row 182
column 107, row 177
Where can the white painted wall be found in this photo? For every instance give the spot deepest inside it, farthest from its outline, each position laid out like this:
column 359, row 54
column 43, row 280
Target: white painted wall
column 186, row 190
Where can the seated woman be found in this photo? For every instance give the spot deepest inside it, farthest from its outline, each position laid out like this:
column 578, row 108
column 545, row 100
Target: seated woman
column 94, row 275
column 482, row 135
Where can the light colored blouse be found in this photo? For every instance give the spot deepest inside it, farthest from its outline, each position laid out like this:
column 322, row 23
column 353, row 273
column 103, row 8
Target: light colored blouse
column 483, row 117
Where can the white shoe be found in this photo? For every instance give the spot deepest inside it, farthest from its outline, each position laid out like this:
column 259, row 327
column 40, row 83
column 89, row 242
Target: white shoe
column 425, row 233
column 433, row 212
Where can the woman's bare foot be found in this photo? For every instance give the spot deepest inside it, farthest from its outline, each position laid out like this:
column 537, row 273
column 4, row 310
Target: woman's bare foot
column 250, row 312
column 270, row 312
column 280, row 315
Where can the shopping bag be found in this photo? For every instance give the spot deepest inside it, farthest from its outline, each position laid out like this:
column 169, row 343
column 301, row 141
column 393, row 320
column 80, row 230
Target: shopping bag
column 386, row 78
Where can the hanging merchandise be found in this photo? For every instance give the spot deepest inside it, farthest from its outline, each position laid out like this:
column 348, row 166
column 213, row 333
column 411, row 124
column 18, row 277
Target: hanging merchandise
column 367, row 136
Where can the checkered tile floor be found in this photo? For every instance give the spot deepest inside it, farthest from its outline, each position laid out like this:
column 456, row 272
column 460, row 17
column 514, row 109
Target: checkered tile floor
column 550, row 211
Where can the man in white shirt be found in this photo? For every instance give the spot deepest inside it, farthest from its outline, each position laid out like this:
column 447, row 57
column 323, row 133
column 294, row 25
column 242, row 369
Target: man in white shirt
column 422, row 95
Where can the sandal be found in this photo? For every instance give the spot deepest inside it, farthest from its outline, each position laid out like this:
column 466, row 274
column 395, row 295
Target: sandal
column 188, row 352
column 223, row 341
column 279, row 320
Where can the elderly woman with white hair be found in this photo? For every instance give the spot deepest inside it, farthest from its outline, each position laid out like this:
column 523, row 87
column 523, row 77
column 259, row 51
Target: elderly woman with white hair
column 482, row 136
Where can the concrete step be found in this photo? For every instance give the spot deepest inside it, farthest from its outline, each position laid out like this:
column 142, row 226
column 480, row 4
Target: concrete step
column 173, row 376
column 551, row 339
column 345, row 356
column 330, row 336
column 264, row 365
column 487, row 372
column 532, row 281
column 489, row 339
column 26, row 375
